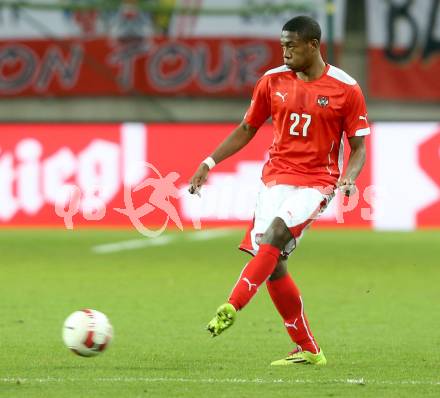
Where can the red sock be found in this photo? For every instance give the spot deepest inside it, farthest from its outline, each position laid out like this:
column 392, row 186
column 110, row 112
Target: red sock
column 287, row 299
column 253, row 275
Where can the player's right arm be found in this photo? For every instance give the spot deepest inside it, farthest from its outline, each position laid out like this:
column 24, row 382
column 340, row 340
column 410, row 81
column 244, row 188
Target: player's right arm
column 256, row 115
column 239, row 138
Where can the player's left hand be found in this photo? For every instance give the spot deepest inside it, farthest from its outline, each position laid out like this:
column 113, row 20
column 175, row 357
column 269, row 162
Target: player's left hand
column 347, row 186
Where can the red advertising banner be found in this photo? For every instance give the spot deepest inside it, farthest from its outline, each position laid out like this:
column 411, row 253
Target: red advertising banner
column 44, row 166
column 160, row 66
column 413, row 79
column 136, row 175
column 404, row 50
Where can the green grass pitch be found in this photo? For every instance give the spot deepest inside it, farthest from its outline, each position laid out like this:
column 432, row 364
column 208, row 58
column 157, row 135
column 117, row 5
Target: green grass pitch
column 373, row 301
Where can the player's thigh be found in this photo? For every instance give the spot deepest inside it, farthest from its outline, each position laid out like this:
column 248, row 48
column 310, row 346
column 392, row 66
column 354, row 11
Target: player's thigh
column 299, row 210
column 269, row 200
column 282, row 214
column 302, row 206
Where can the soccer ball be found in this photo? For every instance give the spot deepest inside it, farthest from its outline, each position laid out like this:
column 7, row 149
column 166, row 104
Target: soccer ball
column 87, row 332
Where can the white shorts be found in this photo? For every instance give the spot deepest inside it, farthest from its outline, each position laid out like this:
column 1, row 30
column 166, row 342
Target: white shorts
column 298, row 207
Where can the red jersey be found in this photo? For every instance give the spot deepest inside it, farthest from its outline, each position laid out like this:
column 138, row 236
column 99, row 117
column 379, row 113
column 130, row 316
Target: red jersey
column 309, row 120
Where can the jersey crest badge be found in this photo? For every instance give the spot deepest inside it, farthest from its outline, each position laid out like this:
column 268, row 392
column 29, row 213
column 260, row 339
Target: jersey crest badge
column 322, row 101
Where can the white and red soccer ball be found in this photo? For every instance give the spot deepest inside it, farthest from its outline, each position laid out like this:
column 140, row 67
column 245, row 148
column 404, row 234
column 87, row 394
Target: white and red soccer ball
column 87, row 332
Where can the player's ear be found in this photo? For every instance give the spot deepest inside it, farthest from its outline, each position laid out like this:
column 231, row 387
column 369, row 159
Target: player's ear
column 314, row 43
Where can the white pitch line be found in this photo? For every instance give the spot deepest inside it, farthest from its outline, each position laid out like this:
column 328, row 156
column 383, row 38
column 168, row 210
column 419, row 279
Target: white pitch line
column 132, row 244
column 208, row 234
column 360, row 381
column 159, row 241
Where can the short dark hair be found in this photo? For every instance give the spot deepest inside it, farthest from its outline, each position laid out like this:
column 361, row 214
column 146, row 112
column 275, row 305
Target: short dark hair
column 306, row 28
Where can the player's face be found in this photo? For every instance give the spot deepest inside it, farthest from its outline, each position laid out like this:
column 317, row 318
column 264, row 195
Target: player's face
column 297, row 53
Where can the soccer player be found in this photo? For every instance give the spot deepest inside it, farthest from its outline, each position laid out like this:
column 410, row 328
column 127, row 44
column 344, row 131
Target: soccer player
column 311, row 104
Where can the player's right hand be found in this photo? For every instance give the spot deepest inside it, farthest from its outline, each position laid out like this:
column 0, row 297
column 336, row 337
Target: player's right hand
column 198, row 179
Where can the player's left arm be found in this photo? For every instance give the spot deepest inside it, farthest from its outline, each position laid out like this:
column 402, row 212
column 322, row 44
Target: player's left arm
column 356, row 161
column 356, row 128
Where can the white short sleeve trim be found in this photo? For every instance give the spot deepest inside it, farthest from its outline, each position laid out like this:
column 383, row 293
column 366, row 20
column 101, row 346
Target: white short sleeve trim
column 279, row 69
column 362, row 132
column 340, row 75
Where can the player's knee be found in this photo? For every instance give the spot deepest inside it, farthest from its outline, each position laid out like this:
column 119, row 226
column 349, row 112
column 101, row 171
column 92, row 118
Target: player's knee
column 277, row 234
